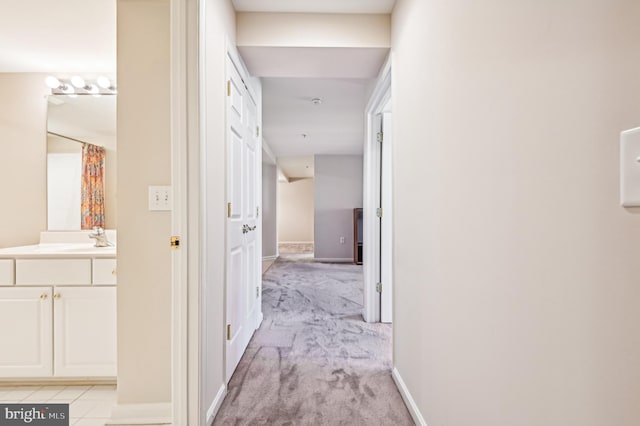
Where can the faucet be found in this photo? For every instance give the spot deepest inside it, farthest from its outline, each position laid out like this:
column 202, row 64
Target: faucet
column 100, row 236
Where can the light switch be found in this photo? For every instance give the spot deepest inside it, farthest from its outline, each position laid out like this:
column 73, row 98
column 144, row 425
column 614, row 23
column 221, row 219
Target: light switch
column 159, row 198
column 630, row 168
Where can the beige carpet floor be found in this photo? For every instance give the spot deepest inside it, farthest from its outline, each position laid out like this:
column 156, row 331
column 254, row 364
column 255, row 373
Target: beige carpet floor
column 314, row 361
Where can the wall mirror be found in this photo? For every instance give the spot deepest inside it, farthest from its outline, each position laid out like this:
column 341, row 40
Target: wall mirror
column 81, row 158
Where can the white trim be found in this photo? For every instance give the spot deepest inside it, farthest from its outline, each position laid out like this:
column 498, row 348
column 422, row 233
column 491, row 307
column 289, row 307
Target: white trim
column 334, row 259
column 371, row 195
column 408, row 399
column 180, row 31
column 158, row 413
column 266, row 258
column 215, row 405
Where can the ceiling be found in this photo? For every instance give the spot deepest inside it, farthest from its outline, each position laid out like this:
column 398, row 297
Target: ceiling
column 297, row 167
column 315, row 6
column 336, row 126
column 58, row 36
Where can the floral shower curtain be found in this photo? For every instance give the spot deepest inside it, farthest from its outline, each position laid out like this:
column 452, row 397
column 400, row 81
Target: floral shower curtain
column 92, row 194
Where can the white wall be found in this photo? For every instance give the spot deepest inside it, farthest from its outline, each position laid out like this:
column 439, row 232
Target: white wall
column 295, row 210
column 269, row 210
column 144, row 260
column 516, row 270
column 338, row 190
column 23, row 158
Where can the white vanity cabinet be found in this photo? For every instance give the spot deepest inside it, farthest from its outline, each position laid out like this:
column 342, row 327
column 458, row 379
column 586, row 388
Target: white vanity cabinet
column 84, row 331
column 57, row 315
column 25, row 330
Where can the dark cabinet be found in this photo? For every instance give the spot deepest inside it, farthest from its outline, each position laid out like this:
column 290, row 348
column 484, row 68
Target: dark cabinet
column 357, row 236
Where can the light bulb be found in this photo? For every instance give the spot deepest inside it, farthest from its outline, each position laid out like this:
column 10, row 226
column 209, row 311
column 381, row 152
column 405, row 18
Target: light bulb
column 93, row 89
column 104, row 82
column 68, row 89
column 52, row 82
column 78, row 81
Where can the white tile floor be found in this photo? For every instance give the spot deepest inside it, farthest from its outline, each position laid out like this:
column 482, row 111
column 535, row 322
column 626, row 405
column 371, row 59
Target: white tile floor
column 88, row 405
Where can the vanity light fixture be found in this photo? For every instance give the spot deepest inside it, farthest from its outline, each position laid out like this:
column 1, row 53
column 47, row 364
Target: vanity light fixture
column 78, row 82
column 80, row 86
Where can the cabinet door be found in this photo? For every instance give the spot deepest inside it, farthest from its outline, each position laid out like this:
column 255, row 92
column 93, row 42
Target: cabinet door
column 84, row 331
column 25, row 332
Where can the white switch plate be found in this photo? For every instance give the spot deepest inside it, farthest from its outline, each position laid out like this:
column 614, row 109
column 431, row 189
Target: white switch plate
column 160, row 198
column 630, row 168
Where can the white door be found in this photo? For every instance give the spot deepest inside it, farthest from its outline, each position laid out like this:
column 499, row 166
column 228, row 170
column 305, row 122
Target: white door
column 386, row 272
column 84, row 331
column 25, row 331
column 243, row 280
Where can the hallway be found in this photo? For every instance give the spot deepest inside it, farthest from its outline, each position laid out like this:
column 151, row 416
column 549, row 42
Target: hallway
column 314, row 361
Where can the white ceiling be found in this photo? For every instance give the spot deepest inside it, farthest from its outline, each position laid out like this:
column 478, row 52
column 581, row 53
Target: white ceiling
column 315, row 6
column 334, row 127
column 58, row 36
column 297, row 167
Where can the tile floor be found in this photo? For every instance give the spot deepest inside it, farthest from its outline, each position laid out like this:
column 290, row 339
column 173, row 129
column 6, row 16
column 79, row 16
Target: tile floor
column 88, row 405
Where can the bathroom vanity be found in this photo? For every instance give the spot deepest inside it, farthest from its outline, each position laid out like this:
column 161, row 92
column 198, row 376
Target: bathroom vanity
column 58, row 309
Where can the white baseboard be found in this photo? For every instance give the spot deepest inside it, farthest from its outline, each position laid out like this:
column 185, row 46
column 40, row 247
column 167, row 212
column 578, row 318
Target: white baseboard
column 266, row 258
column 334, row 259
column 141, row 414
column 260, row 319
column 215, row 405
column 408, row 399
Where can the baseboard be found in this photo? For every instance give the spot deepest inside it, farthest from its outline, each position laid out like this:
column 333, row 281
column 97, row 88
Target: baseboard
column 215, row 405
column 267, row 258
column 408, row 399
column 141, row 414
column 334, row 259
column 260, row 318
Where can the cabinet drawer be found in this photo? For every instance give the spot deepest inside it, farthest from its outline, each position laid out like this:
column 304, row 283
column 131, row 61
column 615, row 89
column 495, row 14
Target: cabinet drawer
column 104, row 272
column 6, row 271
column 53, row 271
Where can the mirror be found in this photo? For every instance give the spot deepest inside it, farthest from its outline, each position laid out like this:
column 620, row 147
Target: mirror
column 73, row 122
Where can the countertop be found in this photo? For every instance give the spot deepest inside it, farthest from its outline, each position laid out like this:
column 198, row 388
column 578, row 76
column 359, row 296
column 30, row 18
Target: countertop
column 58, row 251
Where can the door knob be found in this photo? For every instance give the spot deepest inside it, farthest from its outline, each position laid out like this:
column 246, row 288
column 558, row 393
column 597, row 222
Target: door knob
column 251, row 228
column 44, row 296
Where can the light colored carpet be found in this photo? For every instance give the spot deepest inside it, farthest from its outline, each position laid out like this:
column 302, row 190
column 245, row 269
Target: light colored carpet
column 314, row 361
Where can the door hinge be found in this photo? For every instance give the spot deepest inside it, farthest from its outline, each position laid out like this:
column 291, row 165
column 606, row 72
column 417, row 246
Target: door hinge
column 175, row 242
column 228, row 331
column 228, row 209
column 379, row 212
column 257, row 211
column 228, row 87
column 257, row 131
column 257, row 292
column 380, row 137
column 379, row 287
